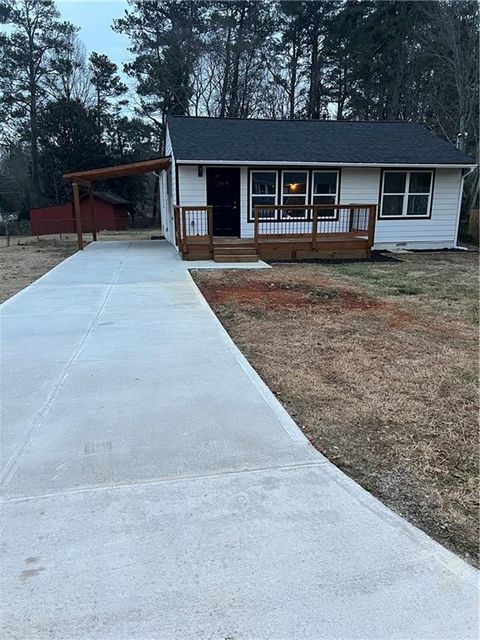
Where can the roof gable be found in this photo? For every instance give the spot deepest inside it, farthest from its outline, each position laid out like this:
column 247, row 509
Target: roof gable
column 308, row 141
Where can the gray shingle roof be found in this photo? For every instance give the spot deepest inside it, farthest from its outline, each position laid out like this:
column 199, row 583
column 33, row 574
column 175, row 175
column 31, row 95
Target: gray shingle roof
column 309, row 141
column 109, row 197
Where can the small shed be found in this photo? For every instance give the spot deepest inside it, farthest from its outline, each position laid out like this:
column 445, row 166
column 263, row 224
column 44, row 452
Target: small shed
column 111, row 214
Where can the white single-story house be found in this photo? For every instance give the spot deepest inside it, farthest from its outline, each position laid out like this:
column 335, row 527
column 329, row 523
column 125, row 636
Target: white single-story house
column 239, row 189
column 224, row 170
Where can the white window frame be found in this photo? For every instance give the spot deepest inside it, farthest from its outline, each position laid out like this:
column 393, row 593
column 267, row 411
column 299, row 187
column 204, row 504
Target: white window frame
column 307, row 186
column 264, row 195
column 406, row 193
column 337, row 192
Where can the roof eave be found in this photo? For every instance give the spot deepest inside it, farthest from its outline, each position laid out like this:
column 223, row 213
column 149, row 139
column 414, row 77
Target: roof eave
column 379, row 165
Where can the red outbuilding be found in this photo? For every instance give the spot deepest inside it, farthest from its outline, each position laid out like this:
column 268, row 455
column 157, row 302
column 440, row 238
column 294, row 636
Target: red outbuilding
column 111, row 214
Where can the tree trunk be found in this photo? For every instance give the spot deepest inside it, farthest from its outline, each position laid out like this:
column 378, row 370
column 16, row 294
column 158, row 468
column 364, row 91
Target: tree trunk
column 99, row 119
column 461, row 134
column 33, row 125
column 293, row 80
column 34, row 144
column 55, row 182
column 342, row 87
column 313, row 107
column 226, row 75
column 233, row 105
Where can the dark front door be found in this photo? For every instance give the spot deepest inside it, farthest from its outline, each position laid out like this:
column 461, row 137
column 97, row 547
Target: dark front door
column 223, row 193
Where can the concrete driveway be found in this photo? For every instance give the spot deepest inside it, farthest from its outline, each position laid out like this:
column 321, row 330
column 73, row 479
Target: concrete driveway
column 155, row 489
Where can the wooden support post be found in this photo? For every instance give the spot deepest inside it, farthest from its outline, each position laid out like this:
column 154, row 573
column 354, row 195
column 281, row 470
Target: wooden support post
column 82, row 182
column 210, row 228
column 372, row 217
column 92, row 212
column 183, row 215
column 182, row 225
column 176, row 219
column 78, row 215
column 255, row 228
column 314, row 229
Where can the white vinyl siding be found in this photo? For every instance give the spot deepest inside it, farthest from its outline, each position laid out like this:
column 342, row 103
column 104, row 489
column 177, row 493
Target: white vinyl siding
column 246, row 228
column 192, row 191
column 440, row 230
column 169, row 179
column 164, row 202
column 360, row 186
column 192, row 188
column 363, row 186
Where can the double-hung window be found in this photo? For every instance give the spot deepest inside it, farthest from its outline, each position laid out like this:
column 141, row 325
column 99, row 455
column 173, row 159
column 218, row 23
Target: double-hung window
column 406, row 193
column 263, row 189
column 294, row 192
column 325, row 191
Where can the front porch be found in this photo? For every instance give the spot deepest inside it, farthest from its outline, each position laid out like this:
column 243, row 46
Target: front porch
column 279, row 233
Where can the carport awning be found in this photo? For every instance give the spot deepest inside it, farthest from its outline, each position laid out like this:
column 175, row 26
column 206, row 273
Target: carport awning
column 85, row 179
column 118, row 170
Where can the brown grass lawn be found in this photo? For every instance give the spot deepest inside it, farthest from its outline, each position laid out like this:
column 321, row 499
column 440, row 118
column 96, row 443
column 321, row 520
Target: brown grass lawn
column 378, row 364
column 27, row 258
column 21, row 264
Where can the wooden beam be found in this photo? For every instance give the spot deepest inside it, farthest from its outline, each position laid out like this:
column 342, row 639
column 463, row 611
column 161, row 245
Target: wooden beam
column 92, row 213
column 78, row 215
column 118, row 171
column 83, row 183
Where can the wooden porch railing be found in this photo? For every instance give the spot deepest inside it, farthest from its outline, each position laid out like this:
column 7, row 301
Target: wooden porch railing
column 313, row 226
column 311, row 222
column 195, row 223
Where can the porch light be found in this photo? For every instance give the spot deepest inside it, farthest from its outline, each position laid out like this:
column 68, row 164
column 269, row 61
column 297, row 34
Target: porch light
column 200, row 170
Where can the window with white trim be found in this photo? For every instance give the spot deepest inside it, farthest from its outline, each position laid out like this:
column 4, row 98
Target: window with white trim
column 325, row 191
column 263, row 191
column 294, row 192
column 406, row 193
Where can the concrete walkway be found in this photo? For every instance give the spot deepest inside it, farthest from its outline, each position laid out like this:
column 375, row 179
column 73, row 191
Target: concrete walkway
column 155, row 489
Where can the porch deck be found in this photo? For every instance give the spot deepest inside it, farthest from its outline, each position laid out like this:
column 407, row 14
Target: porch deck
column 280, row 232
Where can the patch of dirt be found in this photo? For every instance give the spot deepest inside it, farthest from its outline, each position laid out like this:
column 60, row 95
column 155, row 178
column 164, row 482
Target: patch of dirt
column 278, row 296
column 386, row 386
column 22, row 264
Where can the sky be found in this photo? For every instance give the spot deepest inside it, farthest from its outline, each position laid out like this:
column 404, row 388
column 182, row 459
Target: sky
column 95, row 17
